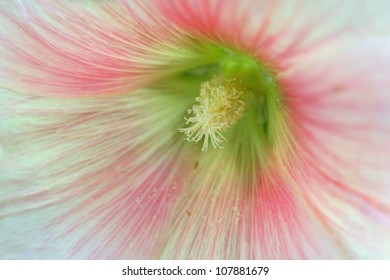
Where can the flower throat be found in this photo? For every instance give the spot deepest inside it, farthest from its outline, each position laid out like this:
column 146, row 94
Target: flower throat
column 235, row 84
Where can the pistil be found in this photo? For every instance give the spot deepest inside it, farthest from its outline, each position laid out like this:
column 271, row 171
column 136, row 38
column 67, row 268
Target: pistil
column 221, row 102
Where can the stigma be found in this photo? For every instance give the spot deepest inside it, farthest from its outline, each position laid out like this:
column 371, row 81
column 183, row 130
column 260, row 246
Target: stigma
column 221, row 102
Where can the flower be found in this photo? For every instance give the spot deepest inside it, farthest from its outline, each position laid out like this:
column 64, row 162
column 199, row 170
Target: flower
column 195, row 129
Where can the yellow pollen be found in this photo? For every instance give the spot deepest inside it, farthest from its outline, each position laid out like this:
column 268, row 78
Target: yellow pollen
column 219, row 107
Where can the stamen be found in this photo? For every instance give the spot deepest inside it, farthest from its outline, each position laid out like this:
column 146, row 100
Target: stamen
column 220, row 105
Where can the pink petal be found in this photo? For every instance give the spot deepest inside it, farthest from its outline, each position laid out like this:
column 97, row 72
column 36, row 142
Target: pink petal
column 91, row 178
column 87, row 50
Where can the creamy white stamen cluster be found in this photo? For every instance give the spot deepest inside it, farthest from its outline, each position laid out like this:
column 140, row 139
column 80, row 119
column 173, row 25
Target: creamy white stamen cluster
column 219, row 106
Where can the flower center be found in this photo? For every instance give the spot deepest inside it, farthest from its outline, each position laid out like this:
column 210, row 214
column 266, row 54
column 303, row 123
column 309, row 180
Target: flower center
column 220, row 105
column 233, row 86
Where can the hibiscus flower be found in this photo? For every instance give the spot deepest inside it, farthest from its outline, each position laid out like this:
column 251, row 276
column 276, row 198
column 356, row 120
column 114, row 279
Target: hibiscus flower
column 195, row 129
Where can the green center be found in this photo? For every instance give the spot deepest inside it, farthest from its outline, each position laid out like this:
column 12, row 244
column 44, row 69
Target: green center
column 259, row 124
